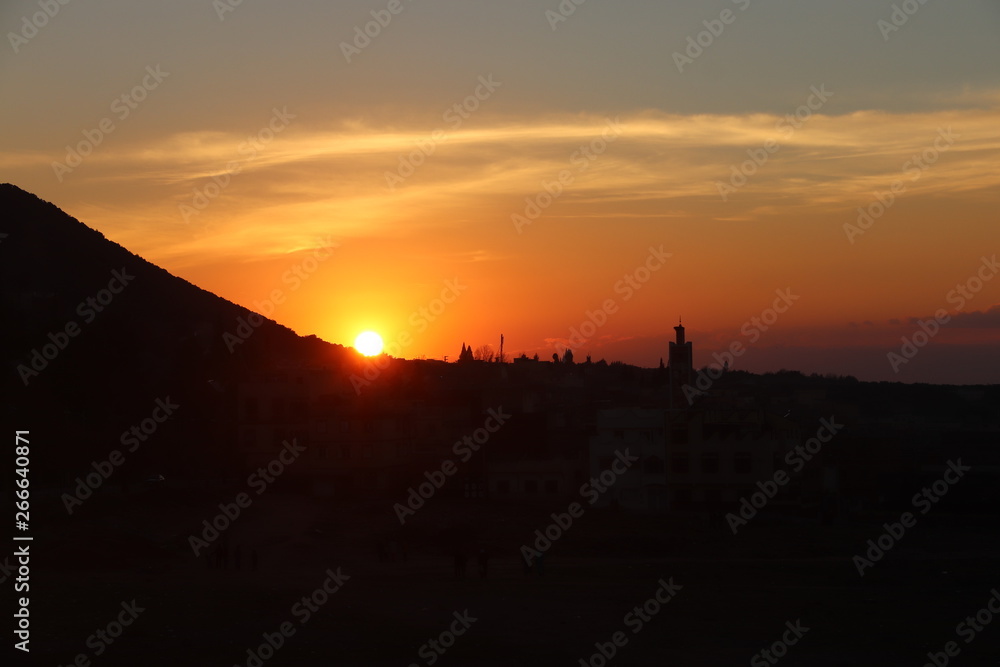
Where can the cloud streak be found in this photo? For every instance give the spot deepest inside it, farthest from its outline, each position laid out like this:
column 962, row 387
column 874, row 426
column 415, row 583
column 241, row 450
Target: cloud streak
column 666, row 160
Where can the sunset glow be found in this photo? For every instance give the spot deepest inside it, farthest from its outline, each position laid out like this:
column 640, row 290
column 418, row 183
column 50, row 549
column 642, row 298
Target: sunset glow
column 377, row 332
column 869, row 190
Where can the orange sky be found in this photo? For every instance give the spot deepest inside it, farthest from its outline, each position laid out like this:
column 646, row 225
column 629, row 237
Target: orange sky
column 302, row 171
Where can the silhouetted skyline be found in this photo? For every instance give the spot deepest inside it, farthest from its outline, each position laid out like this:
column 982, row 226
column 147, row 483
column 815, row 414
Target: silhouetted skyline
column 534, row 332
column 756, row 148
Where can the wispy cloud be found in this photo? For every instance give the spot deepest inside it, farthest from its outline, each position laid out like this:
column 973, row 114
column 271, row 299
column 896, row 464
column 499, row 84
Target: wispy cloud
column 309, row 180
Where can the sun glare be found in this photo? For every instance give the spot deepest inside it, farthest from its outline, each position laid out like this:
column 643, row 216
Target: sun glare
column 368, row 343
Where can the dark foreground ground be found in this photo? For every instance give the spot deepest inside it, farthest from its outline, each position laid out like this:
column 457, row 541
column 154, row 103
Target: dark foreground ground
column 736, row 591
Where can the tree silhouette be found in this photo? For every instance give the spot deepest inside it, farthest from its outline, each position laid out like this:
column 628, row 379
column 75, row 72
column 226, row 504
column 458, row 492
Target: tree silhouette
column 568, row 356
column 484, row 353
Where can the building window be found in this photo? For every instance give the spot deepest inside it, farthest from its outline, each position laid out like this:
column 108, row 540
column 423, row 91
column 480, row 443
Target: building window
column 679, row 463
column 619, row 434
column 503, row 487
column 653, row 465
column 604, row 463
column 682, row 498
column 679, row 434
column 551, row 486
column 743, row 462
column 344, row 452
column 710, row 463
column 531, row 486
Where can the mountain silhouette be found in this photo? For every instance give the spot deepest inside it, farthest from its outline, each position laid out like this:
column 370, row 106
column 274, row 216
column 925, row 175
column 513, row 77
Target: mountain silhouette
column 95, row 334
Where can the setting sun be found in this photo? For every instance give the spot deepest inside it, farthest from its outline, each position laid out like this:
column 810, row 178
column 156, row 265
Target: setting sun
column 368, row 343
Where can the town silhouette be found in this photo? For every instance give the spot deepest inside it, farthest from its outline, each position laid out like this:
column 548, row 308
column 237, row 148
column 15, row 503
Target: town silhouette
column 243, row 495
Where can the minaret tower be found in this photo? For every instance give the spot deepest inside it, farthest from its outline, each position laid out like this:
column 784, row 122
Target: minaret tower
column 681, row 360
